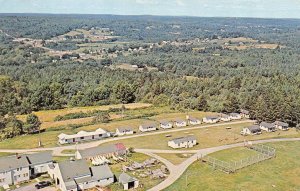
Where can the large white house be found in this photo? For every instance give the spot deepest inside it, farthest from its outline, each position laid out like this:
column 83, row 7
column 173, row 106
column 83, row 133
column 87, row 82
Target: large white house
column 147, row 127
column 19, row 168
column 251, row 130
column 83, row 136
column 76, row 175
column 182, row 142
column 235, row 116
column 212, row 119
column 180, row 123
column 281, row 125
column 124, row 131
column 269, row 127
column 164, row 124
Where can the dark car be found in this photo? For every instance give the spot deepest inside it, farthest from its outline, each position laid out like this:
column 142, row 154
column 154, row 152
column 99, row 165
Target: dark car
column 42, row 184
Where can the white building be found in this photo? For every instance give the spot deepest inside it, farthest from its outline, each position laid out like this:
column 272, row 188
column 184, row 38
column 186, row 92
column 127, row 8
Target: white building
column 128, row 182
column 147, row 127
column 180, row 123
column 194, row 121
column 235, row 116
column 77, row 175
column 212, row 119
column 166, row 124
column 281, row 125
column 182, row 142
column 245, row 113
column 224, row 117
column 19, row 168
column 269, row 127
column 251, row 130
column 83, row 136
column 124, row 131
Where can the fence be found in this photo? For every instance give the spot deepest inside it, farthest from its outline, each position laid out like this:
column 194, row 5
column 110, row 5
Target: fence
column 264, row 153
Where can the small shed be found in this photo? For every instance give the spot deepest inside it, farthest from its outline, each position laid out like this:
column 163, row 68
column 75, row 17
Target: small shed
column 128, row 182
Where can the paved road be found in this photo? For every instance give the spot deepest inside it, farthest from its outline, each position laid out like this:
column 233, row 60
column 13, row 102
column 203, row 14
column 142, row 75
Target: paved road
column 57, row 150
column 177, row 170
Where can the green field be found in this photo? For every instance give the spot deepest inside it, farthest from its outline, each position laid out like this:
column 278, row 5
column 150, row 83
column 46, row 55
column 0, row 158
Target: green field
column 175, row 158
column 280, row 173
column 206, row 137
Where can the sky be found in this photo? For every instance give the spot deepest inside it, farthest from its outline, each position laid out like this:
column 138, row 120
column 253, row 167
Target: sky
column 202, row 8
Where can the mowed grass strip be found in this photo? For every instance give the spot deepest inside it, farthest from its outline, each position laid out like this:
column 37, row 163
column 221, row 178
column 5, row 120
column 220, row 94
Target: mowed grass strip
column 206, row 137
column 49, row 115
column 280, row 173
column 175, row 158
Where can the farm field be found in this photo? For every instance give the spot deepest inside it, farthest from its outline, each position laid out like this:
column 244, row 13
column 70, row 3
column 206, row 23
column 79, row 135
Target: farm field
column 279, row 173
column 206, row 137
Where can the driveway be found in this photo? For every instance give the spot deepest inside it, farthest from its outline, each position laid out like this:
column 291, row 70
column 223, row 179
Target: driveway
column 31, row 187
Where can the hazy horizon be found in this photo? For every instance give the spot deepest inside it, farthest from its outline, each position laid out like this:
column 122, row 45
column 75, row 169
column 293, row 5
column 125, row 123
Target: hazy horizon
column 193, row 8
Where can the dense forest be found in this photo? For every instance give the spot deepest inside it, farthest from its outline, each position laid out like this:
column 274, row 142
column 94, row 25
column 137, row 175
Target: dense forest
column 264, row 81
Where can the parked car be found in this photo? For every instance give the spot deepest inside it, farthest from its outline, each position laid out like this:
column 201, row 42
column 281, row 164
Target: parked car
column 42, row 184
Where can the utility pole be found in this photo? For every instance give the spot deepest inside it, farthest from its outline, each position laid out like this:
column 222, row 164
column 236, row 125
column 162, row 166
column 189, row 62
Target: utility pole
column 40, row 138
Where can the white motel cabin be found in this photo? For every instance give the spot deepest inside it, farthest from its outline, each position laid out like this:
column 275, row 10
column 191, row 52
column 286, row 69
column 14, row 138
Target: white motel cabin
column 180, row 123
column 269, row 127
column 281, row 125
column 235, row 116
column 224, row 117
column 124, row 131
column 251, row 130
column 164, row 124
column 182, row 142
column 212, row 119
column 245, row 113
column 147, row 127
column 194, row 121
column 83, row 136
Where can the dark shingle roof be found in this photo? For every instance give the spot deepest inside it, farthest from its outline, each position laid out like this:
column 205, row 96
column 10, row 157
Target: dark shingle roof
column 94, row 151
column 73, row 169
column 13, row 162
column 125, row 178
column 254, row 128
column 101, row 172
column 267, row 125
column 124, row 129
column 39, row 158
column 243, row 111
column 281, row 124
column 183, row 139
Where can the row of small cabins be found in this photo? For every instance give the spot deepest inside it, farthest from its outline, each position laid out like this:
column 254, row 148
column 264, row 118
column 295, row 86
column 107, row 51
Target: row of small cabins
column 70, row 175
column 164, row 124
column 264, row 126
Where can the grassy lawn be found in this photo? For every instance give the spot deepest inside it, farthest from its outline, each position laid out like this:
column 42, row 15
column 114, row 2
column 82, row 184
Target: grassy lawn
column 5, row 154
column 175, row 158
column 147, row 181
column 49, row 115
column 207, row 137
column 280, row 173
column 69, row 151
column 235, row 154
column 60, row 159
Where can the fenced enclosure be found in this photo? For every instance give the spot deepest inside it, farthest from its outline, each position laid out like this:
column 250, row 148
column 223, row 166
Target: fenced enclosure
column 263, row 153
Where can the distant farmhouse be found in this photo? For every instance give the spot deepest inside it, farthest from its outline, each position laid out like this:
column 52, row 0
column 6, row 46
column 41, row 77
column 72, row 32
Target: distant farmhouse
column 77, row 175
column 164, row 124
column 19, row 168
column 106, row 151
column 281, row 125
column 211, row 119
column 269, row 127
column 83, row 136
column 251, row 130
column 180, row 123
column 147, row 127
column 194, row 121
column 124, row 131
column 182, row 142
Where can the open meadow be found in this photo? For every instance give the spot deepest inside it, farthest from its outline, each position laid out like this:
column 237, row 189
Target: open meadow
column 279, row 173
